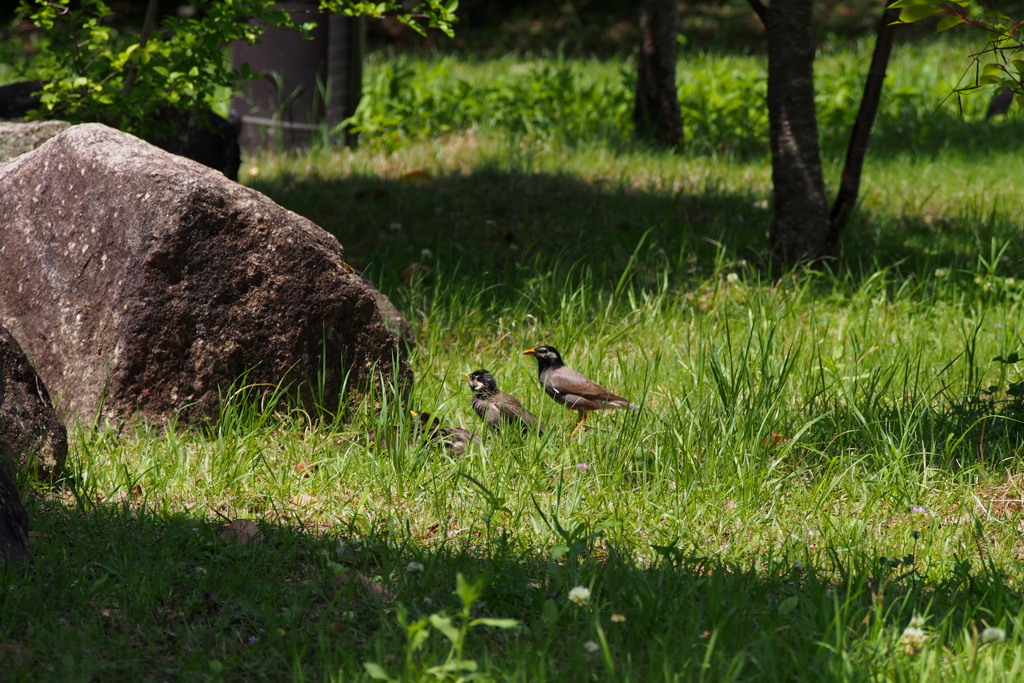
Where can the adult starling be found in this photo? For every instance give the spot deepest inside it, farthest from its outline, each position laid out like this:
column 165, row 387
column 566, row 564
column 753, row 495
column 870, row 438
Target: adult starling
column 497, row 408
column 455, row 439
column 572, row 389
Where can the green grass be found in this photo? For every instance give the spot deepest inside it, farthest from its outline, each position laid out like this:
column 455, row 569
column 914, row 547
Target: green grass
column 818, row 462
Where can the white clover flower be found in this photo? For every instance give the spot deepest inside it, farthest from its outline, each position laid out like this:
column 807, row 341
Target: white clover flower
column 580, row 595
column 993, row 634
column 940, row 272
column 732, row 277
column 426, row 254
column 414, row 568
column 913, row 637
column 618, row 618
column 591, row 647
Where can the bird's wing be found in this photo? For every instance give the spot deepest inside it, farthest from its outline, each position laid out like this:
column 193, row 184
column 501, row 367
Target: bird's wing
column 511, row 410
column 565, row 380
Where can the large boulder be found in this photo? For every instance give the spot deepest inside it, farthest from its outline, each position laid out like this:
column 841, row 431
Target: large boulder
column 142, row 283
column 32, row 437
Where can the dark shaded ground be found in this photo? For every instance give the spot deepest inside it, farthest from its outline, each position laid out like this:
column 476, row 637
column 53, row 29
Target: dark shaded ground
column 122, row 594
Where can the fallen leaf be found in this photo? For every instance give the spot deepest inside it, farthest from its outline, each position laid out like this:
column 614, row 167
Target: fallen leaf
column 303, row 500
column 240, row 531
column 305, row 469
column 417, row 177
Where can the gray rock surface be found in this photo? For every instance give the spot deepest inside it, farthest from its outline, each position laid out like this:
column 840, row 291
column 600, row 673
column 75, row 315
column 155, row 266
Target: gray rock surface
column 31, row 435
column 141, row 284
column 13, row 520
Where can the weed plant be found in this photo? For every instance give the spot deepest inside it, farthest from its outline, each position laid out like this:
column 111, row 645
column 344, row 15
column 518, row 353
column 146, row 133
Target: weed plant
column 821, row 484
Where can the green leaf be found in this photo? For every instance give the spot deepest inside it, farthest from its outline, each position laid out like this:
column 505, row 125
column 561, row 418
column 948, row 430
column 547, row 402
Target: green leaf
column 949, row 21
column 918, row 12
column 376, row 671
column 446, row 626
column 496, row 623
column 788, row 605
column 468, row 592
column 992, row 69
column 453, row 667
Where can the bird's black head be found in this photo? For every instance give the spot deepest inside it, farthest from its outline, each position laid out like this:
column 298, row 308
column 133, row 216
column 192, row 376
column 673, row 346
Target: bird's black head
column 428, row 423
column 482, row 383
column 547, row 356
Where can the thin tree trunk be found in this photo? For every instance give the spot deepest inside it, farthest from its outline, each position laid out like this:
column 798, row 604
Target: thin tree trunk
column 800, row 225
column 656, row 114
column 849, row 186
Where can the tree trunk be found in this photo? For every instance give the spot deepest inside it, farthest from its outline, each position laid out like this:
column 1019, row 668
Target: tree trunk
column 849, row 186
column 800, row 226
column 656, row 114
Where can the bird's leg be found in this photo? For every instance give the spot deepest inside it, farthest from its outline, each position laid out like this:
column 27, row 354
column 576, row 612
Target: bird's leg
column 583, row 418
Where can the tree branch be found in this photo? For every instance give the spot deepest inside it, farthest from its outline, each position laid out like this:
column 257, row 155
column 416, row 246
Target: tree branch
column 760, row 9
column 849, row 186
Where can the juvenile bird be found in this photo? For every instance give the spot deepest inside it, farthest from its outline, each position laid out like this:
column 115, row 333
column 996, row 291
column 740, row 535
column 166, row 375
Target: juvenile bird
column 572, row 389
column 455, row 439
column 497, row 408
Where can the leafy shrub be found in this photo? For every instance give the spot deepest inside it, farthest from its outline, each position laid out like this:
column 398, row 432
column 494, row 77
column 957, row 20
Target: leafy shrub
column 721, row 99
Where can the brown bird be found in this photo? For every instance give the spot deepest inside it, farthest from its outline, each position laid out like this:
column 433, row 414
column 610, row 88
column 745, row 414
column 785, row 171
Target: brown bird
column 497, row 408
column 572, row 389
column 455, row 439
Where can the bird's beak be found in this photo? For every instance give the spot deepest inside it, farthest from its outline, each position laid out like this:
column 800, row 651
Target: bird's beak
column 464, row 374
column 529, row 352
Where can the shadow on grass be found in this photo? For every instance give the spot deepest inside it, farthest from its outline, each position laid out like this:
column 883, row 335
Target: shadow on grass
column 497, row 232
column 935, row 135
column 494, row 225
column 121, row 592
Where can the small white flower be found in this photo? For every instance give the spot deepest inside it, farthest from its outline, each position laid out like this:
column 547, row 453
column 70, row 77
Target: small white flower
column 1009, row 282
column 913, row 636
column 940, row 272
column 395, row 227
column 414, row 568
column 580, row 595
column 591, row 647
column 732, row 277
column 618, row 618
column 993, row 634
column 426, row 254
